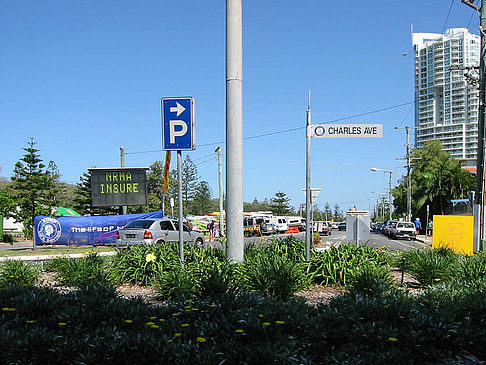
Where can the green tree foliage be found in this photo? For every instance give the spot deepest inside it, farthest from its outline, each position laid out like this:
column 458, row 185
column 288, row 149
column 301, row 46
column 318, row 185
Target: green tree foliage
column 202, row 202
column 280, row 204
column 7, row 204
column 257, row 206
column 34, row 187
column 436, row 177
column 189, row 183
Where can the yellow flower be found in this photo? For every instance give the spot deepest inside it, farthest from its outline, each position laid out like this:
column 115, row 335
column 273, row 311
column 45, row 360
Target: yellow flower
column 437, row 279
column 260, row 316
column 279, row 322
column 386, row 306
column 161, row 320
column 185, row 325
column 6, row 309
column 91, row 277
column 62, row 324
column 177, row 334
column 31, row 321
column 266, row 324
column 213, row 306
column 239, row 331
column 200, row 339
column 153, row 317
column 392, row 339
column 128, row 321
column 188, row 301
column 187, row 307
column 154, row 326
column 291, row 337
column 169, row 341
column 150, row 257
column 175, row 314
column 194, row 309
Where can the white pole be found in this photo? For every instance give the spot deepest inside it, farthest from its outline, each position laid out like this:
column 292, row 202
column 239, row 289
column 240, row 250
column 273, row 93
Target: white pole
column 308, row 183
column 234, row 131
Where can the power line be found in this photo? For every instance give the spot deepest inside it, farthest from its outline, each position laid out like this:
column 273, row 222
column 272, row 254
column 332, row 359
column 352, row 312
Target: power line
column 291, row 129
column 449, row 13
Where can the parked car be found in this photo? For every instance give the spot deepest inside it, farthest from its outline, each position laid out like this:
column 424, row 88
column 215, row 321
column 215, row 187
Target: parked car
column 388, row 225
column 152, row 231
column 404, row 230
column 335, row 225
column 323, row 228
column 342, row 226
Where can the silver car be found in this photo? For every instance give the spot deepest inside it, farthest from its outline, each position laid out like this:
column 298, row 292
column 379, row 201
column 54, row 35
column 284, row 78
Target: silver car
column 152, row 231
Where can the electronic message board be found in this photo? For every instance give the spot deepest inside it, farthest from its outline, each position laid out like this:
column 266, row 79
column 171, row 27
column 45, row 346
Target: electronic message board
column 118, row 186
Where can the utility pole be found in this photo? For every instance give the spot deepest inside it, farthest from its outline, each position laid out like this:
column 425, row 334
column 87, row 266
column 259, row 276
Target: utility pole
column 122, row 209
column 479, row 198
column 220, row 179
column 409, row 175
column 308, row 218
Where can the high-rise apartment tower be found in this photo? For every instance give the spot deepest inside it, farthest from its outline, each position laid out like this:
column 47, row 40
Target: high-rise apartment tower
column 446, row 100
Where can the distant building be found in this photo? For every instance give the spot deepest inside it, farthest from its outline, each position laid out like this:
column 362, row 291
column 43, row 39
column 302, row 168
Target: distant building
column 446, row 103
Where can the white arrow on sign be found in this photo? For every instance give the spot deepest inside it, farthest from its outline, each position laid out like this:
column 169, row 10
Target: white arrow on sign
column 178, row 108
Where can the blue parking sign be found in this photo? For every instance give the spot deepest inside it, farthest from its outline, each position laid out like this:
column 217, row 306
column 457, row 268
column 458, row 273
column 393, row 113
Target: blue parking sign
column 178, row 124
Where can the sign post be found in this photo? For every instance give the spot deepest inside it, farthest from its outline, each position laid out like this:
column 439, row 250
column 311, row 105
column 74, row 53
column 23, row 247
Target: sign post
column 179, row 134
column 331, row 131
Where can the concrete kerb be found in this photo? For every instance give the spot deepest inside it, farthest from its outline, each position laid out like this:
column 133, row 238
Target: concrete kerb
column 51, row 257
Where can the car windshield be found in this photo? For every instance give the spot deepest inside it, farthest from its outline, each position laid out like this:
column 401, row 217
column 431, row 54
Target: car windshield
column 139, row 223
column 406, row 225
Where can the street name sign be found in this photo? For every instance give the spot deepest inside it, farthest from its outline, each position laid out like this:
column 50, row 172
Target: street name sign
column 346, row 130
column 178, row 124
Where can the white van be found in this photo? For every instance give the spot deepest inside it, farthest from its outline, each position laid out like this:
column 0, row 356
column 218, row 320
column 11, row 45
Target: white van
column 281, row 223
column 298, row 222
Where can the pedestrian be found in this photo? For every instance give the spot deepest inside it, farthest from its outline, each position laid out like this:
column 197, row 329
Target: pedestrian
column 211, row 231
column 418, row 225
column 430, row 226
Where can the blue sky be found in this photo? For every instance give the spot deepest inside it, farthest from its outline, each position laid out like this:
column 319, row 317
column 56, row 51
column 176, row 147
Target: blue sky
column 86, row 77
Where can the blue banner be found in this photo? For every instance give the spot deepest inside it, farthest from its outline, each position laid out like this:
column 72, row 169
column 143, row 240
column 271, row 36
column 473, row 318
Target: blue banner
column 95, row 230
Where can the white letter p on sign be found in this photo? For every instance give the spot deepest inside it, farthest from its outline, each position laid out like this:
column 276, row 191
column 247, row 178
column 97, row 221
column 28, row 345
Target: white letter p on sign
column 172, row 129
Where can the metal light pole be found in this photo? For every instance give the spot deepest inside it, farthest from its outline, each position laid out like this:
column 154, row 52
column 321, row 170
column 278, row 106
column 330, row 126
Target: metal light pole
column 234, row 131
column 308, row 184
column 390, row 187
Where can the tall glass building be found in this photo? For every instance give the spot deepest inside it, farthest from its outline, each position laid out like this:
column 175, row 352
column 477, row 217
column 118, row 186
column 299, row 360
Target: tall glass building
column 446, row 97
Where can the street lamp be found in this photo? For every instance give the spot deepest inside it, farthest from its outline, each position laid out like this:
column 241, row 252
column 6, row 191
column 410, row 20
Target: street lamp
column 390, row 187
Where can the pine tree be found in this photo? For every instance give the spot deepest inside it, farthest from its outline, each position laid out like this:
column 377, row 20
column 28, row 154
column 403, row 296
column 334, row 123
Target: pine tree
column 280, row 204
column 33, row 186
column 202, row 202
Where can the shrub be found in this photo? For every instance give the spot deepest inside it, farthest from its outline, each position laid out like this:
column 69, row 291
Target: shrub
column 472, row 268
column 430, row 266
column 274, row 276
column 79, row 273
column 371, row 280
column 18, row 273
column 217, row 279
column 8, row 238
column 337, row 265
column 175, row 284
column 140, row 264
